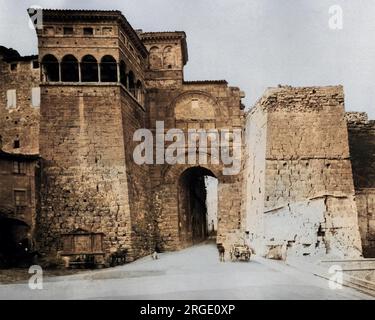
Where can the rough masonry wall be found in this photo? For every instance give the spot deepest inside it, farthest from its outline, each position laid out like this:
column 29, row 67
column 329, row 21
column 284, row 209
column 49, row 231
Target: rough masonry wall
column 308, row 180
column 138, row 179
column 362, row 152
column 84, row 183
column 21, row 122
column 254, row 175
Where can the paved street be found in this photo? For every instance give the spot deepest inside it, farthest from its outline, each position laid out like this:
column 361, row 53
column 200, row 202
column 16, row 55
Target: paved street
column 194, row 273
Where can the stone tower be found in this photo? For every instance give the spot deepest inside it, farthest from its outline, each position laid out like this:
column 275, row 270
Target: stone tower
column 205, row 105
column 92, row 100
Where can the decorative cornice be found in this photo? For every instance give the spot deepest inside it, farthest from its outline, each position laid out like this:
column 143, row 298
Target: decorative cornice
column 66, row 15
column 224, row 82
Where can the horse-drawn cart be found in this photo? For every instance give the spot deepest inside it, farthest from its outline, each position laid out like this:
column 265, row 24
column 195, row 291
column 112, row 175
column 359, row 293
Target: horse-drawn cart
column 240, row 252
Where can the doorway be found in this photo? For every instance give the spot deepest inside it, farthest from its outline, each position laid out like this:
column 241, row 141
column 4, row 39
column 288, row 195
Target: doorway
column 197, row 205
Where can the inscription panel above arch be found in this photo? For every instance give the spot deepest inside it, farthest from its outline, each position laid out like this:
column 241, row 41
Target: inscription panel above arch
column 195, row 106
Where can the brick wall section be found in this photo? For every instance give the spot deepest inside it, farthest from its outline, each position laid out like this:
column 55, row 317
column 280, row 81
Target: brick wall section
column 362, row 151
column 308, row 184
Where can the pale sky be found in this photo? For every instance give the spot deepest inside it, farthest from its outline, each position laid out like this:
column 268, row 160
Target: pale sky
column 253, row 44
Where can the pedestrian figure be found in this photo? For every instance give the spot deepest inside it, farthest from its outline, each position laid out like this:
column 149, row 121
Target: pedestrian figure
column 155, row 255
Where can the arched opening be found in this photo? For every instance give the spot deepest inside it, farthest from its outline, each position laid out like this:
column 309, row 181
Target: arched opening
column 197, row 205
column 108, row 69
column 131, row 83
column 168, row 58
column 69, row 69
column 89, row 69
column 123, row 73
column 139, row 91
column 15, row 244
column 155, row 60
column 50, row 68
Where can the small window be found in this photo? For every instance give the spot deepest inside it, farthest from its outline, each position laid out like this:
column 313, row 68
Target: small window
column 35, row 64
column 88, row 31
column 16, row 144
column 107, row 31
column 13, row 66
column 19, row 167
column 35, row 97
column 20, row 199
column 68, row 30
column 195, row 103
column 11, row 98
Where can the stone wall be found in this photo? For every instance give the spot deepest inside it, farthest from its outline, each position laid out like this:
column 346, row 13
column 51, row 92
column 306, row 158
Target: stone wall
column 21, row 122
column 254, row 175
column 307, row 185
column 138, row 180
column 362, row 151
column 84, row 181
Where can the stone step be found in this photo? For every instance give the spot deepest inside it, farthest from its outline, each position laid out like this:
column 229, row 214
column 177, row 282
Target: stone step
column 321, row 269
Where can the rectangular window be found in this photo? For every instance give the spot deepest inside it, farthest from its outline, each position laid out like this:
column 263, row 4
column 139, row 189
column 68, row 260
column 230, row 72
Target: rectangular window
column 68, row 30
column 195, row 103
column 35, row 64
column 13, row 66
column 19, row 167
column 88, row 31
column 20, row 199
column 35, row 97
column 11, row 98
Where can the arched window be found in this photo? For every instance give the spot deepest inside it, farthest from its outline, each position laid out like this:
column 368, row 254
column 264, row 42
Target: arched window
column 69, row 69
column 155, row 60
column 131, row 84
column 123, row 73
column 168, row 58
column 108, row 69
column 139, row 92
column 89, row 69
column 50, row 68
